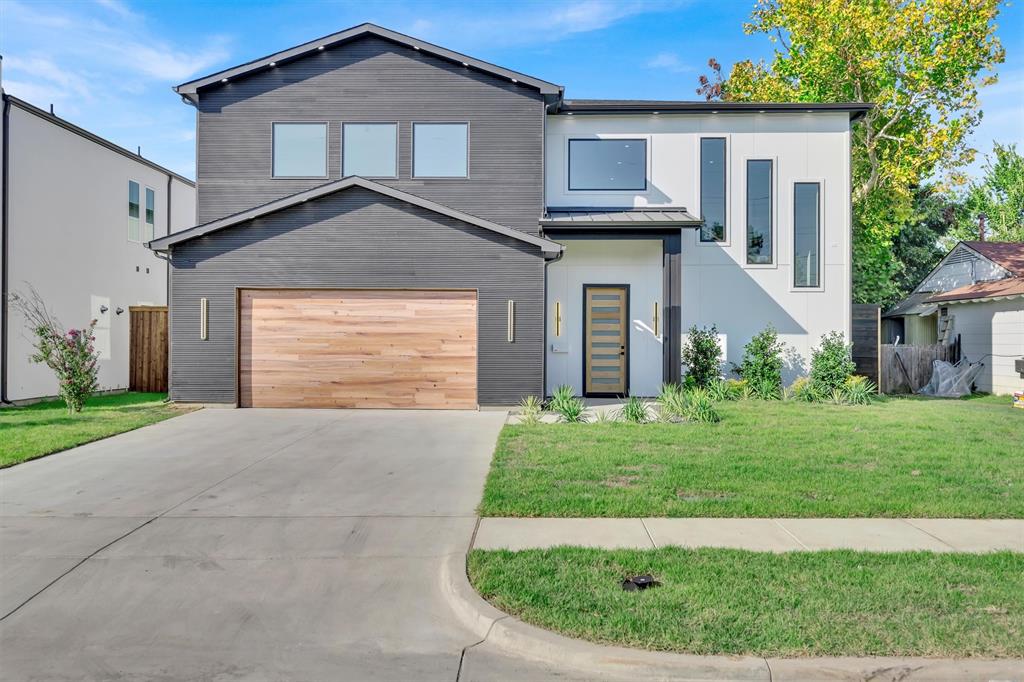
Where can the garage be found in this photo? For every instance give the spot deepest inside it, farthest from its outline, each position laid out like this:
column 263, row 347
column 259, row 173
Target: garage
column 357, row 348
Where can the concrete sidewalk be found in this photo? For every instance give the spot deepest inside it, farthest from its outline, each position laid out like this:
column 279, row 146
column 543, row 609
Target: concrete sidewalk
column 765, row 535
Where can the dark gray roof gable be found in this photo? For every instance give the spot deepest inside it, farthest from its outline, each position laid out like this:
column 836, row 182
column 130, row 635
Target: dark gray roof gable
column 190, row 89
column 164, row 243
column 646, row 106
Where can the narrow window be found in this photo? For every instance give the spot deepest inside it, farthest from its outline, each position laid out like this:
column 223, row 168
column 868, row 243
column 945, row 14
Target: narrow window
column 440, row 150
column 608, row 165
column 759, row 212
column 712, row 189
column 134, row 233
column 300, row 150
column 369, row 150
column 806, row 233
column 150, row 231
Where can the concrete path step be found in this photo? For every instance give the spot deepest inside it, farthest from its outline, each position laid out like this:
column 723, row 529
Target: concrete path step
column 765, row 535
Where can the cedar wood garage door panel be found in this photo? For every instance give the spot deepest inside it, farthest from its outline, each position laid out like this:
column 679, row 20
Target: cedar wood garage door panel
column 357, row 348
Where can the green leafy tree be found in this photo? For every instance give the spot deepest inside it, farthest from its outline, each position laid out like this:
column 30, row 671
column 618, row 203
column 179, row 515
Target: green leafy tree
column 917, row 247
column 920, row 62
column 702, row 355
column 999, row 195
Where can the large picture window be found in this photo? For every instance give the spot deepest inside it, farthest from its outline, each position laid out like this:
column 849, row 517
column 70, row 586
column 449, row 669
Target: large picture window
column 134, row 228
column 806, row 234
column 712, row 189
column 440, row 150
column 759, row 212
column 300, row 150
column 369, row 150
column 608, row 165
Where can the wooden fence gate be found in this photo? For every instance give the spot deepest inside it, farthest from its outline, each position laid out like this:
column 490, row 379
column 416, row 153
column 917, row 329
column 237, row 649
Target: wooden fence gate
column 907, row 368
column 867, row 327
column 147, row 357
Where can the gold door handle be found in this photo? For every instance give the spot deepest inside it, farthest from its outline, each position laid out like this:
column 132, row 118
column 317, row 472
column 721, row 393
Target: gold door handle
column 655, row 318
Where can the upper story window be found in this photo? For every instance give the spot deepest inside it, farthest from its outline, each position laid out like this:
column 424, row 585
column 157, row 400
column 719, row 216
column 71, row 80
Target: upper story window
column 806, row 234
column 759, row 212
column 440, row 150
column 712, row 189
column 150, row 228
column 134, row 228
column 608, row 165
column 300, row 150
column 369, row 149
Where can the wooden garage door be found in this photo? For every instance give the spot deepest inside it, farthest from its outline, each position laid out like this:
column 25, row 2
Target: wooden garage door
column 356, row 348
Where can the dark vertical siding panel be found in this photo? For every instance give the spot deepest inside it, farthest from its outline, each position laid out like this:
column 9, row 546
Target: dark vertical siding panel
column 374, row 80
column 357, row 238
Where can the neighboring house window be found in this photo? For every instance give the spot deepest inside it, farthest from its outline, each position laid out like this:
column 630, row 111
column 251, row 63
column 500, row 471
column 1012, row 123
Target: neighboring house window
column 607, row 165
column 712, row 189
column 300, row 150
column 369, row 149
column 440, row 150
column 759, row 212
column 134, row 231
column 150, row 231
column 806, row 234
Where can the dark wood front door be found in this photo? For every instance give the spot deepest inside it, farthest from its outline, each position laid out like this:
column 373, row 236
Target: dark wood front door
column 606, row 339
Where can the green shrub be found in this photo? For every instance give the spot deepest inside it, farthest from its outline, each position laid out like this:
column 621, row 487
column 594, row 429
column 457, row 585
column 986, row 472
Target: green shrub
column 734, row 389
column 802, row 389
column 564, row 402
column 604, row 417
column 529, row 410
column 671, row 402
column 859, row 390
column 831, row 364
column 635, row 411
column 837, row 397
column 702, row 355
column 762, row 363
column 699, row 406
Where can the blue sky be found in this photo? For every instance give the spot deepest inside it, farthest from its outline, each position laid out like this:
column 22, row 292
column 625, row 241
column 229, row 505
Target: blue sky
column 108, row 65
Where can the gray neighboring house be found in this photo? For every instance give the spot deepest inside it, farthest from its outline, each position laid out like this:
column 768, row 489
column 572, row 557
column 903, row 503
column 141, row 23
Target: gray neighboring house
column 387, row 223
column 77, row 211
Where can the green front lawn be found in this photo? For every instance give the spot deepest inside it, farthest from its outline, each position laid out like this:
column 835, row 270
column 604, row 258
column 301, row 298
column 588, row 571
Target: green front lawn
column 895, row 458
column 44, row 428
column 719, row 601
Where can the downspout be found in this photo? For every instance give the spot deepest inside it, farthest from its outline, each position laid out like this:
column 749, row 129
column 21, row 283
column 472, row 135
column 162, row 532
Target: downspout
column 5, row 321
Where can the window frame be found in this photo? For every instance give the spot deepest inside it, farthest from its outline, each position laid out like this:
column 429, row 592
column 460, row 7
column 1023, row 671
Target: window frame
column 820, row 182
column 138, row 218
column 726, row 239
column 773, row 211
column 607, row 138
column 398, row 133
column 327, row 150
column 412, row 150
column 143, row 230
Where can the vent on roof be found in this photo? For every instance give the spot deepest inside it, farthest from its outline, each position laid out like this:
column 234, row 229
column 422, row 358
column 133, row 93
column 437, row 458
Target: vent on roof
column 961, row 255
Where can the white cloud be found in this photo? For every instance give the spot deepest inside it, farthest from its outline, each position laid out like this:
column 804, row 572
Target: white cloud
column 669, row 61
column 162, row 62
column 117, row 7
column 64, row 81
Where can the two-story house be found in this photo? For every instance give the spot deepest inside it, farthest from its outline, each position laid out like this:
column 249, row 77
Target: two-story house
column 388, row 223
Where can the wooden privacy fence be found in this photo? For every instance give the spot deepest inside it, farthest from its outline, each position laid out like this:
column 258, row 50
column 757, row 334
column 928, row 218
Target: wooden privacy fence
column 147, row 356
column 900, row 363
column 867, row 321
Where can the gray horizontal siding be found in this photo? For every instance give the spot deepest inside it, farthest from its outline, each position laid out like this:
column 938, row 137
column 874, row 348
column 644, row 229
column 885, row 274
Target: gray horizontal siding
column 356, row 238
column 374, row 80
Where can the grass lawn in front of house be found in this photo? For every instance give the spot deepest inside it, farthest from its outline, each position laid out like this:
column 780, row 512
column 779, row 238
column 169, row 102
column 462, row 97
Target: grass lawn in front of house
column 44, row 428
column 895, row 458
column 723, row 601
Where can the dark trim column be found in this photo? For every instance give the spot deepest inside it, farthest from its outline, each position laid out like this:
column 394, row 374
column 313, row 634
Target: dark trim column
column 672, row 248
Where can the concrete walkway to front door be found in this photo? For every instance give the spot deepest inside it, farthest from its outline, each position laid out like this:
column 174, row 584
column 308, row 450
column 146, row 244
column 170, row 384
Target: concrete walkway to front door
column 766, row 535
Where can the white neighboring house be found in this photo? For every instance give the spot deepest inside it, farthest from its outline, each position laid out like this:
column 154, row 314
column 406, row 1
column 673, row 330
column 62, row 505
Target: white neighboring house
column 772, row 186
column 77, row 212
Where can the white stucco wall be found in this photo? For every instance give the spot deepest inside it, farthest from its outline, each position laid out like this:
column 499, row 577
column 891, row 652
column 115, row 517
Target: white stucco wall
column 718, row 287
column 993, row 333
column 69, row 239
column 637, row 263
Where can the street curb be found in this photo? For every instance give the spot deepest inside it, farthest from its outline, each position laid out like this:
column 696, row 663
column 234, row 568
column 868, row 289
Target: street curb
column 515, row 637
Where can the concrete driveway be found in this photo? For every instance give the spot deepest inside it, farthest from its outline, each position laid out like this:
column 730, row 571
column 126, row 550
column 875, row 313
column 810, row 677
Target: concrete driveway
column 247, row 544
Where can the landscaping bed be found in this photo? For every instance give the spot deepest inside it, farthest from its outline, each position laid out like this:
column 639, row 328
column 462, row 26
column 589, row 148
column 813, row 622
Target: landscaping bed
column 44, row 428
column 905, row 457
column 719, row 601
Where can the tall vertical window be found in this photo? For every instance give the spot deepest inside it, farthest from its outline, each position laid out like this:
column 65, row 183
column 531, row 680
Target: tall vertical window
column 150, row 230
column 369, row 149
column 759, row 212
column 300, row 150
column 806, row 234
column 440, row 150
column 134, row 231
column 712, row 189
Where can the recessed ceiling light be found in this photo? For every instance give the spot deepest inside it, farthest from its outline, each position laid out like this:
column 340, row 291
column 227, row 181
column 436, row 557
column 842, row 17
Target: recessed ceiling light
column 655, row 112
column 320, row 48
column 761, row 112
column 465, row 64
column 514, row 80
column 273, row 63
column 715, row 111
column 223, row 80
column 568, row 113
